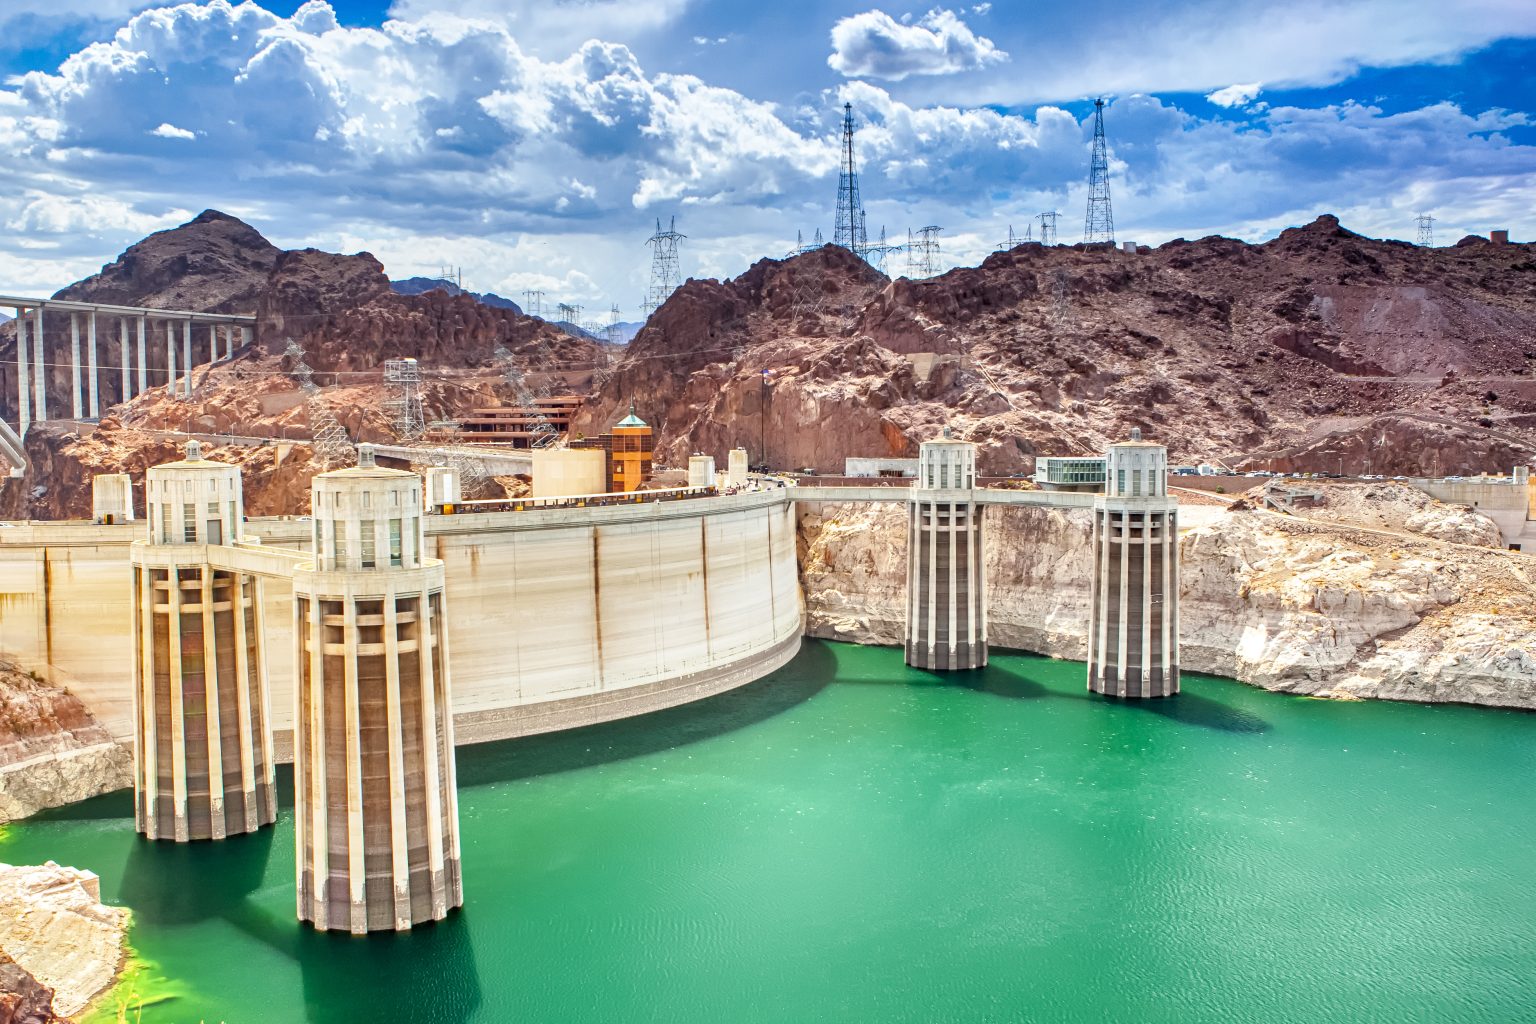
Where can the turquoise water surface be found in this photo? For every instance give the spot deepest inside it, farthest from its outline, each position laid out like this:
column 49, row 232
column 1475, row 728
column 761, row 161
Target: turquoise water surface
column 853, row 840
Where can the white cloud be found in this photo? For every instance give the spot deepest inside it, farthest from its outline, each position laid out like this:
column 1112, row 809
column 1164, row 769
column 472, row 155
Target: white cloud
column 170, row 131
column 441, row 139
column 556, row 26
column 875, row 45
column 1236, row 95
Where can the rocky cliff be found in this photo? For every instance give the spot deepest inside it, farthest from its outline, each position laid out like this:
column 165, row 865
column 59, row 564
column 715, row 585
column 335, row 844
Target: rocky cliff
column 1283, row 602
column 52, row 751
column 1219, row 348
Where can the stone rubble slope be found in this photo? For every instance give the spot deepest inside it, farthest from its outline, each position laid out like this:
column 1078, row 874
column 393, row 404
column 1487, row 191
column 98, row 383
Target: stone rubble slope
column 1397, row 507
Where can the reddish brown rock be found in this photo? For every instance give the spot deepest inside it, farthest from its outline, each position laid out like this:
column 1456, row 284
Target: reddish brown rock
column 1217, row 347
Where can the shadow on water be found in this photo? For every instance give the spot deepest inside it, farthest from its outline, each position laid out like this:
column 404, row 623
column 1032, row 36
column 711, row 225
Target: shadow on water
column 1001, row 682
column 550, row 753
column 1193, row 709
column 184, row 883
column 117, row 804
column 427, row 974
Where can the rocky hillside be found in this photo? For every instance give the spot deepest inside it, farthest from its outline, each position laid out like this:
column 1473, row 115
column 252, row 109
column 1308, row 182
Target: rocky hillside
column 340, row 309
column 1301, row 605
column 1319, row 350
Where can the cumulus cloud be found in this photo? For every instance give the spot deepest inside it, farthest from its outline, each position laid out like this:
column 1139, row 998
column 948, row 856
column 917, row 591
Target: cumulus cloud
column 1236, row 95
column 441, row 139
column 875, row 45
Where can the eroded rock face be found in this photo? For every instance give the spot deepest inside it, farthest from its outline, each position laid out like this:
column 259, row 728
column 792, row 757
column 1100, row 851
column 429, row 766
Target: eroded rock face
column 1214, row 347
column 1280, row 602
column 23, row 999
column 54, row 926
column 52, row 751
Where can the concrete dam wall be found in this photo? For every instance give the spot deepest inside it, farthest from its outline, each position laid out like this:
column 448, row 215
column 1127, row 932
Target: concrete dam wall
column 556, row 618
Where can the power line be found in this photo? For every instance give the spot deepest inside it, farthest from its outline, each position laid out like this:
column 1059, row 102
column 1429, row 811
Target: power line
column 1426, row 230
column 1048, row 227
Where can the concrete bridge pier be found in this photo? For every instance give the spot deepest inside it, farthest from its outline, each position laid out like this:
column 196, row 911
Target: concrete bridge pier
column 203, row 761
column 377, row 822
column 946, row 581
column 1133, row 635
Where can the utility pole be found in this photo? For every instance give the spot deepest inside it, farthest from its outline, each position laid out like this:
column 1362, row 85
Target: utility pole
column 1099, row 226
column 762, row 404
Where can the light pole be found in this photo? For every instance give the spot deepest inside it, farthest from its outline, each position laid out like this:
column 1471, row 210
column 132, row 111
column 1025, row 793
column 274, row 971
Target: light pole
column 762, row 409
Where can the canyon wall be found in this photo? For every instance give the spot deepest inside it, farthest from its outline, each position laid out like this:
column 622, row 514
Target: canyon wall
column 1283, row 602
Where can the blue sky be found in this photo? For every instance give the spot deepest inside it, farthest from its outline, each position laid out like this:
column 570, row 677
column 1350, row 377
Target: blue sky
column 534, row 142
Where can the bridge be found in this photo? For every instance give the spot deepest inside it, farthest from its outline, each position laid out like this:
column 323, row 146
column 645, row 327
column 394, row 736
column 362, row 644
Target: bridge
column 136, row 330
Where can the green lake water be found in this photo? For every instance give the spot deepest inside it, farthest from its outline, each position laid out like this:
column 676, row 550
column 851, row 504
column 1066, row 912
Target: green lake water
column 852, row 840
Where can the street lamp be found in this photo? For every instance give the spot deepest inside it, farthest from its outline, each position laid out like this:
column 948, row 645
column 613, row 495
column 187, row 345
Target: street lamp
column 762, row 409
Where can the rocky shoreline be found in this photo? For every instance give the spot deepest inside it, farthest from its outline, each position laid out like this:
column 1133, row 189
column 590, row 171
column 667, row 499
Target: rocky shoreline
column 1299, row 605
column 61, row 948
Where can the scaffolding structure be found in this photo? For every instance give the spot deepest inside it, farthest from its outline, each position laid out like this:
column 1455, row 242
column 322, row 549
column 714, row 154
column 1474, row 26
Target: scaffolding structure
column 329, row 438
column 923, row 252
column 404, row 379
column 1426, row 230
column 1048, row 227
column 666, row 270
column 1099, row 224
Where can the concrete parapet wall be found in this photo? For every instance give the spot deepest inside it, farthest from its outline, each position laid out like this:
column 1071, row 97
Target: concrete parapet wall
column 586, row 605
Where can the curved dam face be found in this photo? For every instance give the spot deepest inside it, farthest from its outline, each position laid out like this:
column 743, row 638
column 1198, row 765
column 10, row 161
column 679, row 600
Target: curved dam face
column 555, row 619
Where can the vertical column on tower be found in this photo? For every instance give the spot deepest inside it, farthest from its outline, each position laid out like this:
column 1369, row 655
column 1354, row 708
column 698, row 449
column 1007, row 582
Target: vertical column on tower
column 203, row 760
column 1133, row 635
column 186, row 357
column 23, row 385
column 39, row 368
column 946, row 626
column 77, row 404
column 93, row 383
column 125, row 387
column 170, row 358
column 143, row 355
column 376, row 806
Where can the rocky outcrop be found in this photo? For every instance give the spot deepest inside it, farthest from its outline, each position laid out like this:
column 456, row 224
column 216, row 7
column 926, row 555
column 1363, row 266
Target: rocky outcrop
column 23, row 999
column 1282, row 602
column 54, row 927
column 1398, row 508
column 1217, row 347
column 52, row 751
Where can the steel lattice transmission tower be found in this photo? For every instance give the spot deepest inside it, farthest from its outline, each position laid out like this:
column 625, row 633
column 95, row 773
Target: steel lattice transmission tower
column 923, row 252
column 404, row 379
column 666, row 274
column 877, row 254
column 848, row 232
column 1426, row 230
column 1100, row 223
column 533, row 302
column 1016, row 240
column 1048, row 227
column 329, row 438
